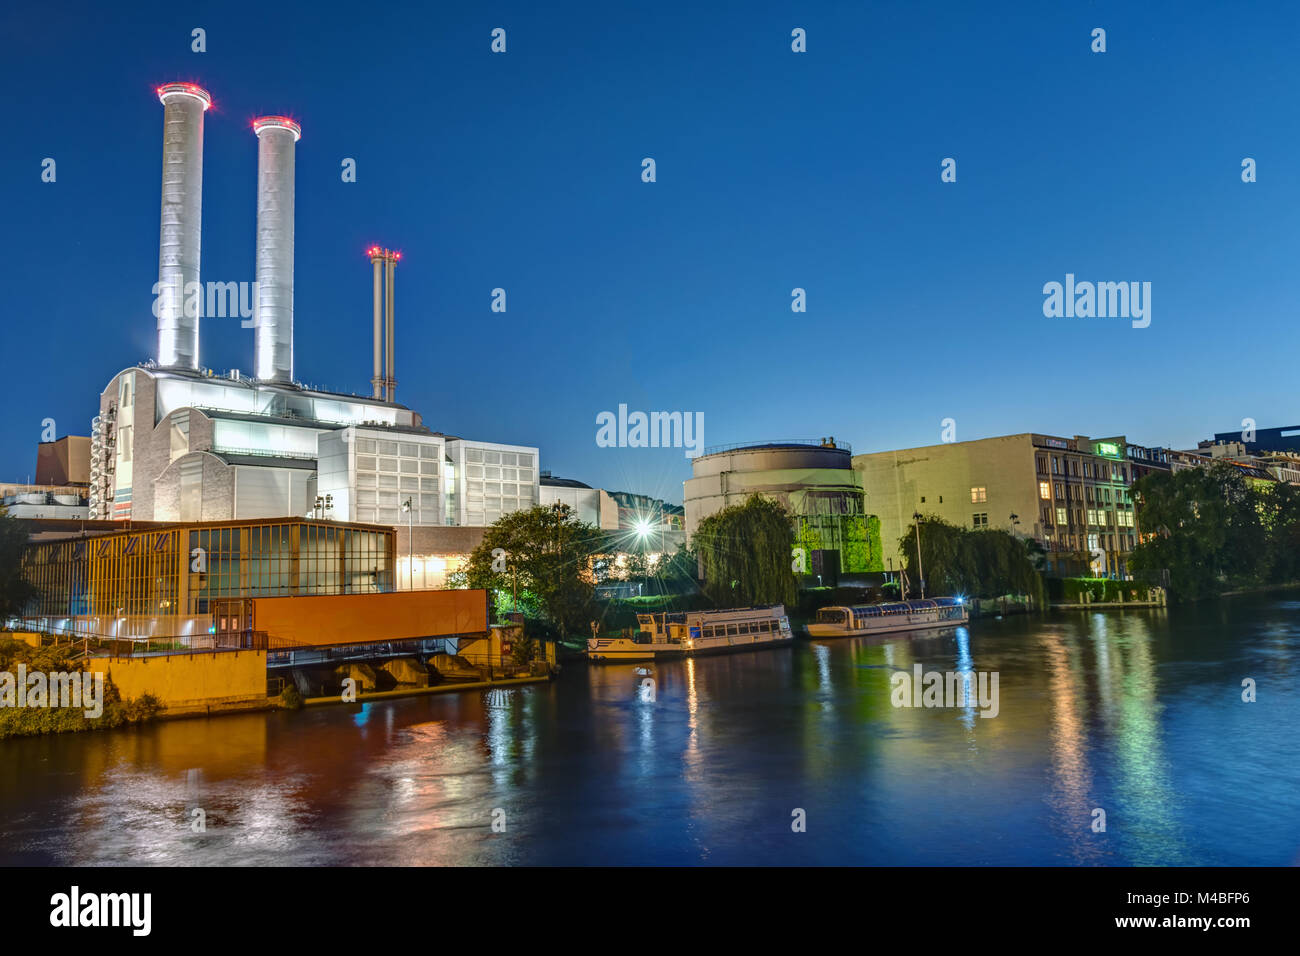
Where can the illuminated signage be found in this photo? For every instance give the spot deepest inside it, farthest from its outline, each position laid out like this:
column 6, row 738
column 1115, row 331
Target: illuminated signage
column 1056, row 443
column 1108, row 449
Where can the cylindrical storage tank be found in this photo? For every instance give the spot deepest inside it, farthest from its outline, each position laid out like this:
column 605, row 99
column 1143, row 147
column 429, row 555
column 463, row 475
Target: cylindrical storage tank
column 277, row 137
column 178, row 241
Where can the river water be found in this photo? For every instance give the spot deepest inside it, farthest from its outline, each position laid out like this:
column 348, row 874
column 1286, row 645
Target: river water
column 787, row 756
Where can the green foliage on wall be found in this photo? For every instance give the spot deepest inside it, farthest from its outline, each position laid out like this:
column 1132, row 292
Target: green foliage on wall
column 856, row 537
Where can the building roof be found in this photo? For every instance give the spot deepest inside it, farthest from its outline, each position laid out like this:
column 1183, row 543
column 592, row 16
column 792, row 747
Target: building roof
column 780, row 443
column 553, row 482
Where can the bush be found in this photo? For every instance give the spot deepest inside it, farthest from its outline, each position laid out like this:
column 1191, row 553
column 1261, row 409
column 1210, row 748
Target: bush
column 289, row 698
column 1102, row 590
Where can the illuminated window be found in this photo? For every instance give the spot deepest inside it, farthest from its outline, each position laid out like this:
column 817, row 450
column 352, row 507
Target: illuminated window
column 1060, row 516
column 1044, row 490
column 978, row 494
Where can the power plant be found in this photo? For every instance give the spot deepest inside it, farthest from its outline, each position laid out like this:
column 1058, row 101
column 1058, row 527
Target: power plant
column 184, row 106
column 175, row 441
column 277, row 138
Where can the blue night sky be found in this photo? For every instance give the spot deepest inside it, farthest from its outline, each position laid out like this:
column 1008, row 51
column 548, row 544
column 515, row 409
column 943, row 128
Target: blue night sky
column 775, row 170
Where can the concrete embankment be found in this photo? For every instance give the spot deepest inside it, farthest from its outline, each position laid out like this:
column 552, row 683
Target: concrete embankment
column 224, row 682
column 192, row 684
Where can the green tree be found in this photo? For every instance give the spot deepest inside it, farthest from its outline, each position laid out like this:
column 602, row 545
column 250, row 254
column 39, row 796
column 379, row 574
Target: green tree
column 1211, row 529
column 745, row 552
column 987, row 563
column 545, row 551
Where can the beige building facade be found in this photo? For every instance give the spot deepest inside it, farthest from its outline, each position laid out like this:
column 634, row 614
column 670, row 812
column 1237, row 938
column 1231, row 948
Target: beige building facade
column 1071, row 495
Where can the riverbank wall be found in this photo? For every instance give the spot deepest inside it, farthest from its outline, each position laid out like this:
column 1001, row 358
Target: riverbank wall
column 191, row 684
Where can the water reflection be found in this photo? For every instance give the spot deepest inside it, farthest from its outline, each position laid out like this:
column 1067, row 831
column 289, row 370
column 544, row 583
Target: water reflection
column 1134, row 712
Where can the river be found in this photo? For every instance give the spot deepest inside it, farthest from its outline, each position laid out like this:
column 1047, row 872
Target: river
column 787, row 756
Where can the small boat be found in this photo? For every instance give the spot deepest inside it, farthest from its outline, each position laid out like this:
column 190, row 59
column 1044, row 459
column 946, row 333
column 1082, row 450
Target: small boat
column 865, row 619
column 690, row 633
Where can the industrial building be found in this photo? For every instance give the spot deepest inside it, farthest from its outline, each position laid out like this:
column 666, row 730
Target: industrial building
column 1261, row 441
column 219, row 616
column 175, row 441
column 814, row 480
column 61, row 488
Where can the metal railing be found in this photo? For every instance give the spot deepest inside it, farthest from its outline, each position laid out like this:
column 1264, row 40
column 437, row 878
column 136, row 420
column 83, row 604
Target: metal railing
column 781, row 443
column 261, row 452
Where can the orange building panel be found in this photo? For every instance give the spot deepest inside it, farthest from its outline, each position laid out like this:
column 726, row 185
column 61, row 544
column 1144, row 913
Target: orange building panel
column 330, row 619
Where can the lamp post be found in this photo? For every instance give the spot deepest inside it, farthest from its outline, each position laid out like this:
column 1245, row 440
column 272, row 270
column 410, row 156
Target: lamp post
column 1015, row 520
column 410, row 543
column 920, row 568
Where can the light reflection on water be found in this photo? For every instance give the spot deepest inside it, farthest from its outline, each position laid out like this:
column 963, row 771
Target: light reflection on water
column 1136, row 713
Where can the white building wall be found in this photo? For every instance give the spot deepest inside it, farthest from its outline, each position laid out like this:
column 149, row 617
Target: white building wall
column 335, row 473
column 585, row 502
column 270, row 492
column 383, row 470
column 493, row 479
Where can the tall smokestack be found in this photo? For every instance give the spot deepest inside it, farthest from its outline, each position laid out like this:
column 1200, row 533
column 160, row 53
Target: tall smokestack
column 392, row 379
column 182, row 209
column 377, row 381
column 277, row 137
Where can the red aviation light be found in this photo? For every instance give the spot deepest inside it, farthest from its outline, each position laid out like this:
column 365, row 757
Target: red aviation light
column 277, row 122
column 185, row 89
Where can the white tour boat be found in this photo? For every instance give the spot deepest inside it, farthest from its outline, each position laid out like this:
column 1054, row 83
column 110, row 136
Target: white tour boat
column 688, row 633
column 867, row 619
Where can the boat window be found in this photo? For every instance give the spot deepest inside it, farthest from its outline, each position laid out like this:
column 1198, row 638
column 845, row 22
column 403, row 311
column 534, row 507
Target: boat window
column 731, row 630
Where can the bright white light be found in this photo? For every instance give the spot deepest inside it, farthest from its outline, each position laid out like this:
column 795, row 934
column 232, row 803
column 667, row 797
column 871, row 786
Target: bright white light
column 642, row 528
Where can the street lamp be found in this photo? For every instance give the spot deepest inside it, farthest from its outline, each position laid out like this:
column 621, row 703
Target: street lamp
column 1015, row 520
column 410, row 543
column 920, row 568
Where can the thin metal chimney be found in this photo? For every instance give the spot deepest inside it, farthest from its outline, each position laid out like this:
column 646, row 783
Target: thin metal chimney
column 392, row 378
column 377, row 380
column 179, row 234
column 277, row 137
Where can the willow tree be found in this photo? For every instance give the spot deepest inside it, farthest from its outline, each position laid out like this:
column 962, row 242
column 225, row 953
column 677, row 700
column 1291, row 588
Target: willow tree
column 746, row 554
column 986, row 563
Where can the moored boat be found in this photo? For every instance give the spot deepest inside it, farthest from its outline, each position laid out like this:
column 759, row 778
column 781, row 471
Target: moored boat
column 690, row 633
column 890, row 617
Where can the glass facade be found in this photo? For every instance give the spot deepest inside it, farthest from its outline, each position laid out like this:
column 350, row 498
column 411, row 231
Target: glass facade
column 183, row 570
